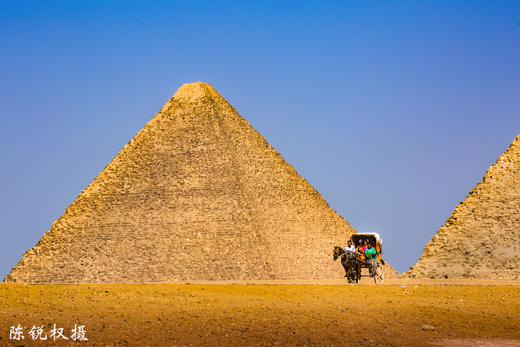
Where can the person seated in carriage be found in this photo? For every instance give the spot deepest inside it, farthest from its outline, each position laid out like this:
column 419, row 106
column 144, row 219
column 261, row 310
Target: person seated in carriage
column 371, row 254
column 361, row 250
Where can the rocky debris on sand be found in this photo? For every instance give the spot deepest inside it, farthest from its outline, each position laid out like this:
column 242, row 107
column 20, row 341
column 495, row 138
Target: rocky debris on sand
column 428, row 327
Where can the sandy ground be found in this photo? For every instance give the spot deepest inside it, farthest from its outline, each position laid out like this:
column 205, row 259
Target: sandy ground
column 267, row 314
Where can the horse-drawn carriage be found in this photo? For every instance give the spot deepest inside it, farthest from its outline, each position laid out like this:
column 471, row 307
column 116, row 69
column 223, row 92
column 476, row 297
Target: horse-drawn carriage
column 354, row 262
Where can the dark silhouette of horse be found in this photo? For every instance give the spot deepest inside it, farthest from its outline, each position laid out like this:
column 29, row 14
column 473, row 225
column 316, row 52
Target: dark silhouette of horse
column 350, row 263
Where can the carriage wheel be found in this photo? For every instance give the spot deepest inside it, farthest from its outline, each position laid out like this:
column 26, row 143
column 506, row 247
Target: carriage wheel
column 379, row 277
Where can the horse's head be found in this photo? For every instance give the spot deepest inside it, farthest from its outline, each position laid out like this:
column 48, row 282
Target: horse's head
column 337, row 252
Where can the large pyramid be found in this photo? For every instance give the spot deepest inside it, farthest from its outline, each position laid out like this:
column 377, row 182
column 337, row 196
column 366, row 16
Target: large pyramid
column 197, row 194
column 481, row 239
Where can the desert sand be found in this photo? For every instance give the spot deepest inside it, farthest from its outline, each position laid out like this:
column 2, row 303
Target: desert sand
column 403, row 313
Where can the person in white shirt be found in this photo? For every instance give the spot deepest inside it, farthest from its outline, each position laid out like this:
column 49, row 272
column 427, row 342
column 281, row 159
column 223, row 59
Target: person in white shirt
column 350, row 247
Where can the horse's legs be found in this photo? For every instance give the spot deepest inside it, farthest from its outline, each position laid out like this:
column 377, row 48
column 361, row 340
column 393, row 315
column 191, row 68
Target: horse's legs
column 345, row 267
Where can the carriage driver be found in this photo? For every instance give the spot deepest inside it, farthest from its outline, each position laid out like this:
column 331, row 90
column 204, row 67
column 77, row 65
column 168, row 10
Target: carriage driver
column 371, row 254
column 350, row 247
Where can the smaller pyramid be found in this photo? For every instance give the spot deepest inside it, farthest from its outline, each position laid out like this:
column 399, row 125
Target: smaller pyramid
column 390, row 272
column 481, row 239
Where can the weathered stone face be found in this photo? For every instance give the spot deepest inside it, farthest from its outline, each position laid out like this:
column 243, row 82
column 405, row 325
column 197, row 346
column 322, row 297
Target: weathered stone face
column 197, row 194
column 482, row 237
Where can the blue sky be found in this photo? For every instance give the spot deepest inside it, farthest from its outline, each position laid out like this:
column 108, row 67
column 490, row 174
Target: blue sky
column 393, row 110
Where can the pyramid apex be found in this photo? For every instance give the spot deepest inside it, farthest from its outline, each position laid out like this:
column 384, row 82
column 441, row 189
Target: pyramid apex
column 193, row 94
column 195, row 90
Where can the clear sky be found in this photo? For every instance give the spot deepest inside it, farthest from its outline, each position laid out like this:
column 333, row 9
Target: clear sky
column 392, row 110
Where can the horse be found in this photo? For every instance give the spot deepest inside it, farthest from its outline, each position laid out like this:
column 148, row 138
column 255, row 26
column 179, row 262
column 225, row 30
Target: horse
column 350, row 263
